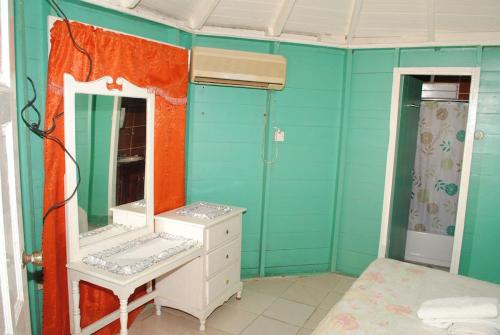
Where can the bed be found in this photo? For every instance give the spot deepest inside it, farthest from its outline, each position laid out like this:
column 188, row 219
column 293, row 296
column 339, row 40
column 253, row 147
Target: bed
column 386, row 297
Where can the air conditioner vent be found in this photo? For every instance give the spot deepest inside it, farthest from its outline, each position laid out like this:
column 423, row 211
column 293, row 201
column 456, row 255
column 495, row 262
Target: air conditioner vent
column 237, row 68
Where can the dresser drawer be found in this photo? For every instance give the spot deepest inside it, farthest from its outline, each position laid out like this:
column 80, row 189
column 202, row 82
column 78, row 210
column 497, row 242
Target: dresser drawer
column 223, row 281
column 223, row 256
column 223, row 232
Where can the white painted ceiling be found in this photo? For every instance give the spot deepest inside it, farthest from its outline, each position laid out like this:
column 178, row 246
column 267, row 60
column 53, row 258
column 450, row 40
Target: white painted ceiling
column 342, row 23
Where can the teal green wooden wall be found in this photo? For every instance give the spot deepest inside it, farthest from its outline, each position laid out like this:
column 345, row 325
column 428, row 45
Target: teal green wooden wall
column 367, row 130
column 288, row 224
column 362, row 170
column 31, row 60
column 299, row 187
column 481, row 252
column 318, row 207
column 225, row 127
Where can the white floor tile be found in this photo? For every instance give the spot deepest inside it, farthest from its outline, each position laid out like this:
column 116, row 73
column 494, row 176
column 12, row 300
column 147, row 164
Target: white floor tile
column 147, row 311
column 344, row 284
column 166, row 324
column 207, row 331
column 315, row 318
column 325, row 282
column 180, row 313
column 274, row 306
column 266, row 326
column 304, row 331
column 252, row 301
column 270, row 286
column 289, row 311
column 305, row 294
column 231, row 320
column 331, row 299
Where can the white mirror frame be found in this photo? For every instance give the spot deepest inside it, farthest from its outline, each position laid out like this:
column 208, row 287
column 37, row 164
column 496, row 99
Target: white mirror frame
column 76, row 248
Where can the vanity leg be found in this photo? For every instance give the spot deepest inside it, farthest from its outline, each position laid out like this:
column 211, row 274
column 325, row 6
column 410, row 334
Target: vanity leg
column 149, row 287
column 238, row 295
column 75, row 289
column 158, row 309
column 123, row 316
column 202, row 324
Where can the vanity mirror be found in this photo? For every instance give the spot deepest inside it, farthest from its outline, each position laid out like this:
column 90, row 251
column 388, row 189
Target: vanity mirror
column 107, row 131
column 110, row 238
column 110, row 147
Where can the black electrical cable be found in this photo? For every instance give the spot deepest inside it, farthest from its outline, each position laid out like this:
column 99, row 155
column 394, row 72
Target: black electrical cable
column 61, row 14
column 35, row 128
column 63, row 202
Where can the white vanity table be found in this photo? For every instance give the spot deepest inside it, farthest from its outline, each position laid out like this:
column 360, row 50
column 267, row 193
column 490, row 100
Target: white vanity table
column 122, row 286
column 120, row 251
column 206, row 282
column 193, row 253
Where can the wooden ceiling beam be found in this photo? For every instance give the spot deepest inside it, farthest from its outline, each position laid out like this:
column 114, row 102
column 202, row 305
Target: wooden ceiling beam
column 353, row 20
column 129, row 3
column 431, row 21
column 276, row 27
column 201, row 13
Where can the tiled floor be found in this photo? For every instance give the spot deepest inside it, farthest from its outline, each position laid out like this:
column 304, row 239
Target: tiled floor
column 270, row 306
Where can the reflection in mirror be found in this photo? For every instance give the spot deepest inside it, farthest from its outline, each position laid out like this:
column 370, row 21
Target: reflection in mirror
column 111, row 152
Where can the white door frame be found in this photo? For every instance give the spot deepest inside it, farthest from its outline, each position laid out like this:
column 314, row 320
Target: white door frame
column 474, row 73
column 14, row 309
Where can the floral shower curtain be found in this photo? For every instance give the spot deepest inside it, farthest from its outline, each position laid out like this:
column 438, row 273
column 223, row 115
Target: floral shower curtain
column 438, row 165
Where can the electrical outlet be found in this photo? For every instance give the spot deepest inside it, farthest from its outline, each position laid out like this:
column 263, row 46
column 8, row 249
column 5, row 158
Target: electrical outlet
column 279, row 135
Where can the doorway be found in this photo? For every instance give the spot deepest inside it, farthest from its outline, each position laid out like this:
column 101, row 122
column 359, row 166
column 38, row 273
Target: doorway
column 433, row 116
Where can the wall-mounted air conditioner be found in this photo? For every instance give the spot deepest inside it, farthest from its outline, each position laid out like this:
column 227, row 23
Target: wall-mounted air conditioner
column 237, row 68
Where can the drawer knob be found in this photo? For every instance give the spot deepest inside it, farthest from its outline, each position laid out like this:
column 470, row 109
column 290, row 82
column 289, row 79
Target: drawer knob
column 227, row 256
column 227, row 281
column 227, row 231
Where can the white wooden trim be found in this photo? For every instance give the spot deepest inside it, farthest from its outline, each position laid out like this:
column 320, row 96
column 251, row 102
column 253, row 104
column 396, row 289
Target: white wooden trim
column 76, row 248
column 89, row 148
column 389, row 168
column 441, row 40
column 113, row 152
column 474, row 72
column 466, row 169
column 201, row 14
column 15, row 217
column 7, row 47
column 431, row 21
column 353, row 20
column 276, row 27
column 14, row 309
column 53, row 19
column 129, row 3
column 4, row 277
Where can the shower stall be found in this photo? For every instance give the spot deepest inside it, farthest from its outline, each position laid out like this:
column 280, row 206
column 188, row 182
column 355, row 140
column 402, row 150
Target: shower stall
column 428, row 166
column 436, row 174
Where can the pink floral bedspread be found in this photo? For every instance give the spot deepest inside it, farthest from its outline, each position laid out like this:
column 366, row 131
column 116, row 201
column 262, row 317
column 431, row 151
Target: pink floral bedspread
column 386, row 297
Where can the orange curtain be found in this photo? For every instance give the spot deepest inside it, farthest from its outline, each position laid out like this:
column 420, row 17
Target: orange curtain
column 144, row 63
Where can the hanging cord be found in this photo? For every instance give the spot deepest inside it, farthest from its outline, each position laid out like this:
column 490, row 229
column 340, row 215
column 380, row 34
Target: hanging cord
column 263, row 145
column 34, row 127
column 61, row 14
